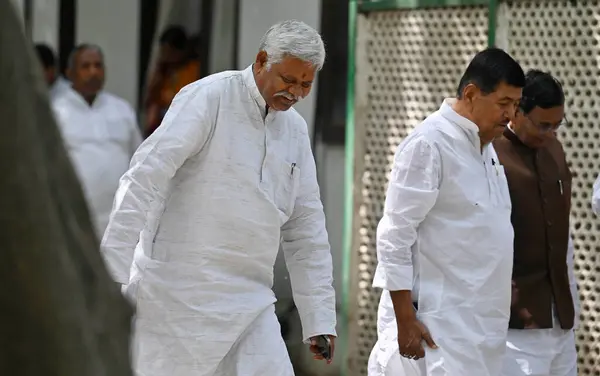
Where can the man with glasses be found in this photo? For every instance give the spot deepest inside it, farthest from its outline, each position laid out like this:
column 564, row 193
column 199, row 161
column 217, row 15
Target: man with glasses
column 544, row 304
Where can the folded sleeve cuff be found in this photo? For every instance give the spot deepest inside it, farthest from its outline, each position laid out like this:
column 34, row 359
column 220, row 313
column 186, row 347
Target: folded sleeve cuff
column 318, row 322
column 393, row 277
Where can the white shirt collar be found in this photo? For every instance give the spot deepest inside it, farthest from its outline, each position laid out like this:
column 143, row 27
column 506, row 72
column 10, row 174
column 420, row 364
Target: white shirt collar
column 471, row 129
column 250, row 82
column 76, row 98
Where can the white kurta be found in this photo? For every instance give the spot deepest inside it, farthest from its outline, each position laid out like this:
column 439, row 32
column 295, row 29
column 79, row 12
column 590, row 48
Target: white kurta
column 206, row 202
column 100, row 139
column 596, row 196
column 59, row 87
column 446, row 235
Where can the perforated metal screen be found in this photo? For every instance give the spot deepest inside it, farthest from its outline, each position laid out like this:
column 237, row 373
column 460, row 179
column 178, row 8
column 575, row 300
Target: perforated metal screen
column 563, row 37
column 413, row 59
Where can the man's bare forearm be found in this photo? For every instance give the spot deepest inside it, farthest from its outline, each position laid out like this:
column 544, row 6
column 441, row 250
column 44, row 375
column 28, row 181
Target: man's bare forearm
column 403, row 305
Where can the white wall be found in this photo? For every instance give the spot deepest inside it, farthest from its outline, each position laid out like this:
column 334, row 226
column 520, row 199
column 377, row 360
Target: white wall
column 114, row 26
column 223, row 37
column 45, row 23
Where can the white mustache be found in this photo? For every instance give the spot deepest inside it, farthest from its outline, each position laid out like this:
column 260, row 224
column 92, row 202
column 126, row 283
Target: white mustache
column 288, row 96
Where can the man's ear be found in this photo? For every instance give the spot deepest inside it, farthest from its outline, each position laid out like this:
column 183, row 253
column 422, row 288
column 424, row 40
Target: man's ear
column 261, row 60
column 470, row 93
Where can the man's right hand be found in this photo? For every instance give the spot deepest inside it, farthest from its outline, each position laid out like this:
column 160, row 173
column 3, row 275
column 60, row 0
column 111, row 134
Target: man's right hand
column 411, row 334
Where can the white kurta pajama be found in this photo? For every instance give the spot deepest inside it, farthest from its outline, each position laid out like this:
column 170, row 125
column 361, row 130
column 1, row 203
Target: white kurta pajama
column 205, row 204
column 100, row 140
column 446, row 235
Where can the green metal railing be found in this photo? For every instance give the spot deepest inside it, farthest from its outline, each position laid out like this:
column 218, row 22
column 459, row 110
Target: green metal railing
column 366, row 6
column 382, row 5
column 348, row 183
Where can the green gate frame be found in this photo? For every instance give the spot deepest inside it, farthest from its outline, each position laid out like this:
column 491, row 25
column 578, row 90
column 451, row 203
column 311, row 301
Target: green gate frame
column 366, row 6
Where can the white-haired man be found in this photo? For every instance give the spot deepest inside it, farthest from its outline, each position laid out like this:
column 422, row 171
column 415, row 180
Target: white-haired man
column 99, row 130
column 208, row 199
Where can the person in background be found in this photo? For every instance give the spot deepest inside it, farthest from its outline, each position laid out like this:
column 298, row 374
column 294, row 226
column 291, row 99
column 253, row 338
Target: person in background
column 445, row 241
column 176, row 67
column 56, row 82
column 99, row 130
column 545, row 303
column 226, row 179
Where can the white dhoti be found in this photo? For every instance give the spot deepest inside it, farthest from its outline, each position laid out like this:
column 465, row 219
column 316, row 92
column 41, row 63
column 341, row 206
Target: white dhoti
column 262, row 347
column 540, row 352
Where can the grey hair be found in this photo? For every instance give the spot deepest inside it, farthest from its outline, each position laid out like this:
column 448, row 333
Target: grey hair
column 80, row 48
column 293, row 38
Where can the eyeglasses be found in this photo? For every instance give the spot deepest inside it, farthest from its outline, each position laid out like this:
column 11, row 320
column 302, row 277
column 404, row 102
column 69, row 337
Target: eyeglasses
column 545, row 128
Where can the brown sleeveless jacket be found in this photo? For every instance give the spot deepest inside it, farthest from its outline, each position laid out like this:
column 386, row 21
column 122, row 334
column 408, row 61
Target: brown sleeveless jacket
column 539, row 181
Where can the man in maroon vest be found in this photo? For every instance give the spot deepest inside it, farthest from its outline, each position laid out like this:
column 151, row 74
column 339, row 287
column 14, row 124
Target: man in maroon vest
column 544, row 306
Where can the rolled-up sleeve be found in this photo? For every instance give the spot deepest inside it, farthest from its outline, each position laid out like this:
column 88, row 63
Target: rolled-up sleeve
column 145, row 186
column 596, row 196
column 307, row 254
column 412, row 192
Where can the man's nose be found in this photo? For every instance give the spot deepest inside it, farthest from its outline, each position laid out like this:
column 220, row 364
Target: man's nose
column 94, row 71
column 512, row 112
column 296, row 91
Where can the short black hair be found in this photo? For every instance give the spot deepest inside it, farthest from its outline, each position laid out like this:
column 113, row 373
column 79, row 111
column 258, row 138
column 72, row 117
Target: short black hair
column 541, row 90
column 175, row 36
column 46, row 55
column 489, row 68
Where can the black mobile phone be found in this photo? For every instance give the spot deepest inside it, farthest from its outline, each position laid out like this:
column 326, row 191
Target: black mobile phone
column 324, row 347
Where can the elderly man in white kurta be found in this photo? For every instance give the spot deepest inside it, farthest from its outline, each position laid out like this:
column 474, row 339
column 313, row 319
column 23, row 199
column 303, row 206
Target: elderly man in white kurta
column 444, row 244
column 199, row 217
column 99, row 130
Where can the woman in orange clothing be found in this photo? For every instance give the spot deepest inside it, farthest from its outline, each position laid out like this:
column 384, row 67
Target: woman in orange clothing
column 176, row 68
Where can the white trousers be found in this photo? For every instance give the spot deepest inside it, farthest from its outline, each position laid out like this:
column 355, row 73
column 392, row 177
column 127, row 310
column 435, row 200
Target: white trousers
column 259, row 351
column 540, row 352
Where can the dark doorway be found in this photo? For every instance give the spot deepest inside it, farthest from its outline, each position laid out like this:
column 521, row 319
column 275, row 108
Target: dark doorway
column 330, row 116
column 148, row 20
column 66, row 32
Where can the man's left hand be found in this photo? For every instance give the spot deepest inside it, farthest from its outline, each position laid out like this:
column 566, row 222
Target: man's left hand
column 315, row 349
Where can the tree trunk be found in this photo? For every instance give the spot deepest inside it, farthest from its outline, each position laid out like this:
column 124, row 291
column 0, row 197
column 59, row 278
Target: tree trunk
column 60, row 313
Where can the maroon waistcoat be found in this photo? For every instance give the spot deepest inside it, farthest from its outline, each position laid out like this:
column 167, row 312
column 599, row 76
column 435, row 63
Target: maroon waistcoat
column 539, row 181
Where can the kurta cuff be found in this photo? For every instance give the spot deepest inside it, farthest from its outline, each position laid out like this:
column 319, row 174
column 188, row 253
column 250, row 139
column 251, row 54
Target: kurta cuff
column 393, row 277
column 318, row 322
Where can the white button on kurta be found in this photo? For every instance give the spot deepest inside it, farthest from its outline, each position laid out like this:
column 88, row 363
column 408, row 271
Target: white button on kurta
column 100, row 139
column 206, row 202
column 446, row 235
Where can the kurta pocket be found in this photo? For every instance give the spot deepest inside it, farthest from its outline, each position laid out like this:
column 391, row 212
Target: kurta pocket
column 286, row 180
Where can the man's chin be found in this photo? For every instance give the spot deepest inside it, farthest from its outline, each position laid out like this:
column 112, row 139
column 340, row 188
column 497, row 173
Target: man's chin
column 282, row 107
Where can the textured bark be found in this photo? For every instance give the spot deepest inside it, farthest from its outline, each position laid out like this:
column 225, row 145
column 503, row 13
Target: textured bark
column 60, row 314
